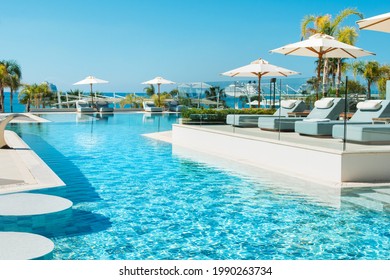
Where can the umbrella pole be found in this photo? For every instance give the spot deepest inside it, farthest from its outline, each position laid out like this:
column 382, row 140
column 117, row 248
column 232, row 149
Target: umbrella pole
column 158, row 94
column 318, row 74
column 345, row 113
column 91, row 94
column 258, row 91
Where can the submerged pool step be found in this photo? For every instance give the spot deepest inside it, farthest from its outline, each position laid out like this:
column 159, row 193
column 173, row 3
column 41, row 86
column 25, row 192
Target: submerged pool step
column 363, row 202
column 382, row 190
column 381, row 197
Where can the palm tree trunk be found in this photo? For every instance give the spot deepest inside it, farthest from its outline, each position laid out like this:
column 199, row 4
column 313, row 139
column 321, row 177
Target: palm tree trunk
column 368, row 89
column 2, row 100
column 338, row 77
column 325, row 78
column 11, row 97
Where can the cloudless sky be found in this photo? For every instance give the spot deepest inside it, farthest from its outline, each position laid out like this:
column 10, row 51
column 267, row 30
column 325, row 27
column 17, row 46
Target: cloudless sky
column 130, row 41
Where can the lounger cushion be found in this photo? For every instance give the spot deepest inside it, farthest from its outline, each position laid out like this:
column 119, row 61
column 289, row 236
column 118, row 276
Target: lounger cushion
column 324, row 103
column 316, row 120
column 366, row 134
column 288, row 104
column 369, row 105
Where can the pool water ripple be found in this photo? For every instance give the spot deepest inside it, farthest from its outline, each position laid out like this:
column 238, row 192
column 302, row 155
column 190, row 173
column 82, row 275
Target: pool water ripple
column 134, row 199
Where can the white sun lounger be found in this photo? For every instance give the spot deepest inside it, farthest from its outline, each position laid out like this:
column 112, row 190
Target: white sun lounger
column 324, row 109
column 367, row 110
column 287, row 106
column 150, row 107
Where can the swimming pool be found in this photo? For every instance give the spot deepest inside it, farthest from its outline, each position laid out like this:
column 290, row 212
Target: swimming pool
column 136, row 199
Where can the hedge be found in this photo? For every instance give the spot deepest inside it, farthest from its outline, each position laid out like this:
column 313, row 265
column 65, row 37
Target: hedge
column 221, row 114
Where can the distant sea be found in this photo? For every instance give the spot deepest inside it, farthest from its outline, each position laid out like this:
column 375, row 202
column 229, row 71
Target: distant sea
column 288, row 85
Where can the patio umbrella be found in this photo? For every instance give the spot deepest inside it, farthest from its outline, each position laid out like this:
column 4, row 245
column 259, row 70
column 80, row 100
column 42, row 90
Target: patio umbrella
column 89, row 81
column 377, row 23
column 158, row 81
column 322, row 46
column 201, row 86
column 259, row 68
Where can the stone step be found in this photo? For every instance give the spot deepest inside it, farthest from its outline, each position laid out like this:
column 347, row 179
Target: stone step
column 363, row 202
column 377, row 197
column 386, row 191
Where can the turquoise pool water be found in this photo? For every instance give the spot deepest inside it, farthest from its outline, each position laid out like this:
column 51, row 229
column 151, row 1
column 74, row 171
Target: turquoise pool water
column 135, row 199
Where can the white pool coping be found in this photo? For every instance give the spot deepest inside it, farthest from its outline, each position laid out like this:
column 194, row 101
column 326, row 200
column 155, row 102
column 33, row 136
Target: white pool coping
column 312, row 159
column 22, row 169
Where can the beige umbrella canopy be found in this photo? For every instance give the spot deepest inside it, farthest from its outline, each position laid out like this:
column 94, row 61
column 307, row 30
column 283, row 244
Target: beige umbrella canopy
column 322, row 46
column 90, row 80
column 259, row 68
column 377, row 23
column 158, row 81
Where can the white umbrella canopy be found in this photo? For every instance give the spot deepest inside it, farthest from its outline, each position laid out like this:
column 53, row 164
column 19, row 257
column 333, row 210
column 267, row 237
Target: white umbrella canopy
column 376, row 23
column 90, row 80
column 259, row 68
column 158, row 81
column 322, row 46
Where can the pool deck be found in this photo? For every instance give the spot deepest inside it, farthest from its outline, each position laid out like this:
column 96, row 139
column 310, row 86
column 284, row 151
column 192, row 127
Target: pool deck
column 21, row 168
column 319, row 160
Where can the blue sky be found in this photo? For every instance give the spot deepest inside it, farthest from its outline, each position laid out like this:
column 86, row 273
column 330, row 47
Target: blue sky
column 128, row 42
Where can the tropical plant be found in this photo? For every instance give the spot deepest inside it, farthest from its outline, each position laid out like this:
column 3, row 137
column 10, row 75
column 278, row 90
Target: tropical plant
column 383, row 80
column 159, row 100
column 150, row 90
column 357, row 68
column 132, row 100
column 34, row 94
column 3, row 75
column 326, row 25
column 10, row 76
column 372, row 73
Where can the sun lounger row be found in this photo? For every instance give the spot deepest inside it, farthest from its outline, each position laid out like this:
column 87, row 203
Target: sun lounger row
column 323, row 121
column 286, row 106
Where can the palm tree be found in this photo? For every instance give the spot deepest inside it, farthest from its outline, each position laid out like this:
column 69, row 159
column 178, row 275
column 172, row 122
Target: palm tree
column 27, row 95
column 324, row 24
column 385, row 69
column 372, row 72
column 357, row 68
column 10, row 78
column 346, row 35
column 3, row 75
column 34, row 93
column 150, row 90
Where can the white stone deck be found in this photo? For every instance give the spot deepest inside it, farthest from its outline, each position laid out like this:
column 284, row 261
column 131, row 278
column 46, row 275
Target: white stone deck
column 320, row 160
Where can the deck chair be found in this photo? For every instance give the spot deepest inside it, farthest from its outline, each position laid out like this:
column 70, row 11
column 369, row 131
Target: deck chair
column 326, row 108
column 286, row 106
column 150, row 107
column 370, row 134
column 367, row 110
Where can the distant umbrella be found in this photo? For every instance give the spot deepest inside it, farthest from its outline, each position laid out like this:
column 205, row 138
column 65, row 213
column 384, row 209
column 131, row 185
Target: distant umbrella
column 259, row 68
column 158, row 81
column 90, row 80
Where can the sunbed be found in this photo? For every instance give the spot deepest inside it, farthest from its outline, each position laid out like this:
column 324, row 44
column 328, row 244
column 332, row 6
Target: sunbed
column 150, row 107
column 367, row 110
column 326, row 108
column 287, row 106
column 103, row 107
column 82, row 106
column 364, row 134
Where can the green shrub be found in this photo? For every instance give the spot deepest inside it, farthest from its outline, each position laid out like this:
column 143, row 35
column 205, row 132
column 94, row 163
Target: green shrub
column 221, row 114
